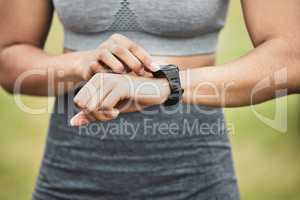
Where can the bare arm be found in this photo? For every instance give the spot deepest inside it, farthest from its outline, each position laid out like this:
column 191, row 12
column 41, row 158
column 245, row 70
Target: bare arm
column 275, row 32
column 274, row 65
column 24, row 28
column 25, row 25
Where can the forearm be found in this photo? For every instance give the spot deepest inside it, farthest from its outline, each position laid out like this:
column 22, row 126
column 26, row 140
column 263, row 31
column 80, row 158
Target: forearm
column 29, row 70
column 235, row 84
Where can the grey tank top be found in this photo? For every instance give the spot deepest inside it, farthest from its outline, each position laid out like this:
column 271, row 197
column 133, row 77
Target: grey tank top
column 181, row 152
column 162, row 27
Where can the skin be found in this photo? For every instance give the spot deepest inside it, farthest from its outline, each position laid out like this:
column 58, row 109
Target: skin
column 276, row 38
column 21, row 50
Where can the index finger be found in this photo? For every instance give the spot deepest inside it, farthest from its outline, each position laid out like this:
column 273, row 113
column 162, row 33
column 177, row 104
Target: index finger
column 139, row 52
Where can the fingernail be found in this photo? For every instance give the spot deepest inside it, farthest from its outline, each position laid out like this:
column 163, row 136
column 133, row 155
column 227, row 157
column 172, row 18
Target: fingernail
column 115, row 113
column 76, row 119
column 73, row 121
column 155, row 66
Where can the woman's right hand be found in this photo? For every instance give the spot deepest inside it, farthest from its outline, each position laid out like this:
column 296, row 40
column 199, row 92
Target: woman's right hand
column 117, row 54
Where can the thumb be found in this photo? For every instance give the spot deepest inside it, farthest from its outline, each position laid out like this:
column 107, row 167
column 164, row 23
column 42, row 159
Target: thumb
column 153, row 67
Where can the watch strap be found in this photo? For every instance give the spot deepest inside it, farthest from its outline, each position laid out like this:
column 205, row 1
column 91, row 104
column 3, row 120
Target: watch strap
column 171, row 73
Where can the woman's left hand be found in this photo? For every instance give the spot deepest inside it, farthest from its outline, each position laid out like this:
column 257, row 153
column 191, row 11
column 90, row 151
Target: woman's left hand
column 107, row 94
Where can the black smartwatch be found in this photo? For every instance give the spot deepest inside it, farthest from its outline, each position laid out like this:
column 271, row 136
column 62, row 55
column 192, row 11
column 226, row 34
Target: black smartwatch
column 171, row 73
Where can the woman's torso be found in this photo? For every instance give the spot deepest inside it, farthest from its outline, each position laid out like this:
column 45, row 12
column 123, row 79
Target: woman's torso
column 178, row 153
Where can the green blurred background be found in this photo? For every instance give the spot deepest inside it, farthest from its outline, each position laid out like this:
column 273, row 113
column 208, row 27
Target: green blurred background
column 267, row 161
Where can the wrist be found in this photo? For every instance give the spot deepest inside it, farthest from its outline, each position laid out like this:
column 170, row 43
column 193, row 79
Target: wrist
column 75, row 65
column 79, row 64
column 183, row 75
column 150, row 91
column 65, row 66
